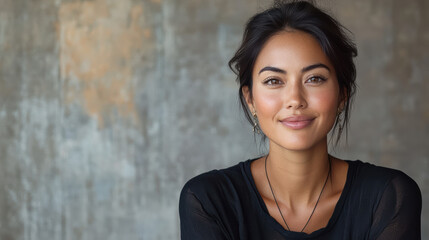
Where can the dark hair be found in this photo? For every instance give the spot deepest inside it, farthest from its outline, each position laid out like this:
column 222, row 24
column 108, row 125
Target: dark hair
column 303, row 16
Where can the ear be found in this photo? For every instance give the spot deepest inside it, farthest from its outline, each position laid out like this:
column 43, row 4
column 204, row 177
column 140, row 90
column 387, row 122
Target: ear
column 247, row 96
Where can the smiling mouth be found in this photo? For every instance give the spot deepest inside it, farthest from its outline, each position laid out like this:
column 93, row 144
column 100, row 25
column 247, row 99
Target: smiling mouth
column 297, row 122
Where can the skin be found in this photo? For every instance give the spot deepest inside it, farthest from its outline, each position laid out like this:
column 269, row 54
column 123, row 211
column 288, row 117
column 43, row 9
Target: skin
column 293, row 77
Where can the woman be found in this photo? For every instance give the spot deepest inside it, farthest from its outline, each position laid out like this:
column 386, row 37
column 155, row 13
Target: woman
column 297, row 79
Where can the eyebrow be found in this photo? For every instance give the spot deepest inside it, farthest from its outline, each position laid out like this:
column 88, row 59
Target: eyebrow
column 272, row 69
column 317, row 65
column 305, row 69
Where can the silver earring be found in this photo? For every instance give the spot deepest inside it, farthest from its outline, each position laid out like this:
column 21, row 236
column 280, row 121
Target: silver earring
column 255, row 123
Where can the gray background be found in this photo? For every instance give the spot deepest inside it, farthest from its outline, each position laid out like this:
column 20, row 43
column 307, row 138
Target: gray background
column 108, row 107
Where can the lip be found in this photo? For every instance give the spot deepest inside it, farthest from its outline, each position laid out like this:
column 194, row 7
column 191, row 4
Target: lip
column 297, row 122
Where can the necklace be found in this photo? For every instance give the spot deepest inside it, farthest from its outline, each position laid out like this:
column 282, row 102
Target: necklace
column 275, row 200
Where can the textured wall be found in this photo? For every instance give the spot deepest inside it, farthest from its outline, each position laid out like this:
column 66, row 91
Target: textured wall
column 107, row 107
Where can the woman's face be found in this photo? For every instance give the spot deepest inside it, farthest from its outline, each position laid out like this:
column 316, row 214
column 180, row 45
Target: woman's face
column 295, row 91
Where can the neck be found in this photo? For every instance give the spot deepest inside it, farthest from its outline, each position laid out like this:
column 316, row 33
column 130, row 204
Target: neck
column 297, row 176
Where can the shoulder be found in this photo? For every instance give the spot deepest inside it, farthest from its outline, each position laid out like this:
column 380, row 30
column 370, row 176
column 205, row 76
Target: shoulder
column 377, row 180
column 392, row 199
column 215, row 183
column 379, row 174
column 211, row 203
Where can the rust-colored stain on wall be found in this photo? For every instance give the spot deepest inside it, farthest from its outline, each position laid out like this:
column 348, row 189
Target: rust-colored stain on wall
column 98, row 42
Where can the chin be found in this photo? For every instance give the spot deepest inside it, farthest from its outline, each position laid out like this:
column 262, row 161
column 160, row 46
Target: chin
column 298, row 147
column 300, row 144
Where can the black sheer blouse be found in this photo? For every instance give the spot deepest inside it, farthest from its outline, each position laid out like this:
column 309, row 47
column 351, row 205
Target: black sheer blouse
column 376, row 203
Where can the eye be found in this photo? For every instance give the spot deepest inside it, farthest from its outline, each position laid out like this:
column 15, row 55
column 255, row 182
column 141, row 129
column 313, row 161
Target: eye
column 315, row 79
column 272, row 82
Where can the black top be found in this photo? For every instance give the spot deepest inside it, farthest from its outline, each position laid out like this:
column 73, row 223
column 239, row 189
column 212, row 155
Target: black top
column 376, row 203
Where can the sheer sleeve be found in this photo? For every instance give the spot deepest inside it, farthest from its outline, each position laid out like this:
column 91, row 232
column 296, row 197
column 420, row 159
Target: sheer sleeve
column 195, row 222
column 398, row 213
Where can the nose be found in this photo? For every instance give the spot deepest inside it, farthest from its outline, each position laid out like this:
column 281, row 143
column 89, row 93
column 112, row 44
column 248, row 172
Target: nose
column 294, row 96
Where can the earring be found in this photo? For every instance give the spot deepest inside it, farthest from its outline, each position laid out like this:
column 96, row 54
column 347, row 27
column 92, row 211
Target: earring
column 255, row 123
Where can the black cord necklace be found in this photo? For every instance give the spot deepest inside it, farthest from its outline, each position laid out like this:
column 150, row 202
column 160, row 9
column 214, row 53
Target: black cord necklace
column 275, row 200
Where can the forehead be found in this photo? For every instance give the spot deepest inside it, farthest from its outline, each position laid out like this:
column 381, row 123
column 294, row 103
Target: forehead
column 291, row 50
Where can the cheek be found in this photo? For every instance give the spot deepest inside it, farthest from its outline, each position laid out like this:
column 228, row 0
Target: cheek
column 326, row 102
column 266, row 103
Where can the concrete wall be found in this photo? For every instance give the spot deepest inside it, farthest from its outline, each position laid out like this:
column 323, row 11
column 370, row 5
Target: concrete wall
column 107, row 107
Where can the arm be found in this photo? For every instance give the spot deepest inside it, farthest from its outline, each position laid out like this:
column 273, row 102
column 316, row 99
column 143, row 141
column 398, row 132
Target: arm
column 195, row 222
column 397, row 216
